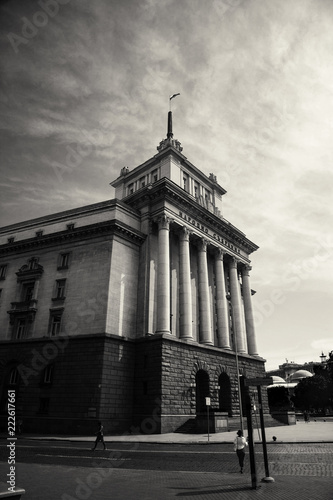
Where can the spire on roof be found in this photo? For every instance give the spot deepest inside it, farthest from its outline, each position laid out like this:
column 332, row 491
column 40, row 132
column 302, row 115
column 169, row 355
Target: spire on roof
column 170, row 141
column 169, row 133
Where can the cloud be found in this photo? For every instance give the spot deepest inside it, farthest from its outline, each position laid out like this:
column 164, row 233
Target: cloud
column 255, row 109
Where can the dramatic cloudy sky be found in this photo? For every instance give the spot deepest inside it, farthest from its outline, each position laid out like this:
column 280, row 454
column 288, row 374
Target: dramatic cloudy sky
column 84, row 91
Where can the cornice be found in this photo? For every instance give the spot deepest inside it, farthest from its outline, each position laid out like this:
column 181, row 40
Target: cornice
column 164, row 189
column 155, row 160
column 68, row 215
column 86, row 232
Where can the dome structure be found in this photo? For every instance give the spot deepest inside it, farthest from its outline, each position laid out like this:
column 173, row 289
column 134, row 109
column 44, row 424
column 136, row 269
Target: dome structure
column 299, row 375
column 278, row 380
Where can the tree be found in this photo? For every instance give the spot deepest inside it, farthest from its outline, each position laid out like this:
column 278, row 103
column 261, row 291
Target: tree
column 315, row 392
column 278, row 398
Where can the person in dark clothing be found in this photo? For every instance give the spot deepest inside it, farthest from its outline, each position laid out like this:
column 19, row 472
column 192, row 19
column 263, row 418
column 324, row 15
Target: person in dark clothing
column 239, row 447
column 99, row 436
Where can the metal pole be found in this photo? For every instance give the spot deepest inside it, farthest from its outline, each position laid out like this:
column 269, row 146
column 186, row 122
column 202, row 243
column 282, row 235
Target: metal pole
column 250, row 435
column 208, row 420
column 237, row 365
column 267, row 477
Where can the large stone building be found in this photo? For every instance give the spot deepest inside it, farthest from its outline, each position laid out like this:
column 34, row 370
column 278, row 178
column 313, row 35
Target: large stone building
column 129, row 310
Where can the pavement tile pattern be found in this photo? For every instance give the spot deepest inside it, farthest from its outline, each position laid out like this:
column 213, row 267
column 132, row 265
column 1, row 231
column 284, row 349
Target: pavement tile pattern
column 58, row 482
column 301, row 472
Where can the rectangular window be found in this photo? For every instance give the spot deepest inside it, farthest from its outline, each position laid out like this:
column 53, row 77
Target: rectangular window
column 27, row 291
column 131, row 188
column 60, row 289
column 21, row 328
column 154, row 176
column 142, row 182
column 55, row 323
column 196, row 190
column 48, row 375
column 3, row 270
column 63, row 261
column 14, row 377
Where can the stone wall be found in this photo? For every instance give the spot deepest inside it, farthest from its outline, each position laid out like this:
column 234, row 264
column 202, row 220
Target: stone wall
column 169, row 366
column 92, row 380
column 144, row 386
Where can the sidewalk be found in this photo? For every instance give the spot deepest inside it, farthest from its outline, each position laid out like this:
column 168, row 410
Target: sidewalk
column 55, row 482
column 106, row 479
column 312, row 432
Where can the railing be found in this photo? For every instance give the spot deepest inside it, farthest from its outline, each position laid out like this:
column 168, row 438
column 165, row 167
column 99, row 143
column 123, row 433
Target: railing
column 26, row 305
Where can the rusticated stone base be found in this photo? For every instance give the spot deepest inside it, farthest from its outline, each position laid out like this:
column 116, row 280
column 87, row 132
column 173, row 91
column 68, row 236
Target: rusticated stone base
column 147, row 386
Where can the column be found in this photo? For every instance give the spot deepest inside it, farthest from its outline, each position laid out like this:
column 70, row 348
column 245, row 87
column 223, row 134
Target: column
column 204, row 302
column 163, row 277
column 236, row 307
column 185, row 292
column 249, row 318
column 222, row 308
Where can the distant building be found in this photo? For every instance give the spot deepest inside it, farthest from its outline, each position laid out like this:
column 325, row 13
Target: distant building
column 128, row 310
column 291, row 373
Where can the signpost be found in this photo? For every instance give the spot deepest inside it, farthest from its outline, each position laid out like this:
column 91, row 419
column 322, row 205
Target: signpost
column 208, row 405
column 258, row 382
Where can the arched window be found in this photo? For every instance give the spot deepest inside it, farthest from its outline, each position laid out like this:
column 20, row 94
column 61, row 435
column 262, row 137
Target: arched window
column 202, row 390
column 224, row 393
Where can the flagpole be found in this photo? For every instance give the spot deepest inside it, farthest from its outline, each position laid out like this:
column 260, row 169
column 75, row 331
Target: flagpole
column 170, row 99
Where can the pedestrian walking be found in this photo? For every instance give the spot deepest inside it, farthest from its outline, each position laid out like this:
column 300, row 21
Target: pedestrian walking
column 239, row 447
column 99, row 436
column 306, row 417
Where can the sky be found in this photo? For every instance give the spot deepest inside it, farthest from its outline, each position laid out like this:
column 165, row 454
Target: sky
column 85, row 91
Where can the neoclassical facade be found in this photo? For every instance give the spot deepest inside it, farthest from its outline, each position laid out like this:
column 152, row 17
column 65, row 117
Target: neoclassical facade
column 130, row 310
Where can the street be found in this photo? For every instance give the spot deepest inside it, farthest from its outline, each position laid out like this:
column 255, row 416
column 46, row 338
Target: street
column 68, row 470
column 284, row 459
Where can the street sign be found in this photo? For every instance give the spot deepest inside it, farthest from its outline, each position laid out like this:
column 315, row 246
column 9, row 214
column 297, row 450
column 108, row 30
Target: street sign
column 207, row 401
column 258, row 381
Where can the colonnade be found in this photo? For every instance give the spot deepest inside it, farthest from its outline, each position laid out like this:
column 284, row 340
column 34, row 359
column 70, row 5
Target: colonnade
column 234, row 304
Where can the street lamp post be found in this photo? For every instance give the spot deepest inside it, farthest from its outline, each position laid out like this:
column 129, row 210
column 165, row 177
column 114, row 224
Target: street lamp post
column 237, row 364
